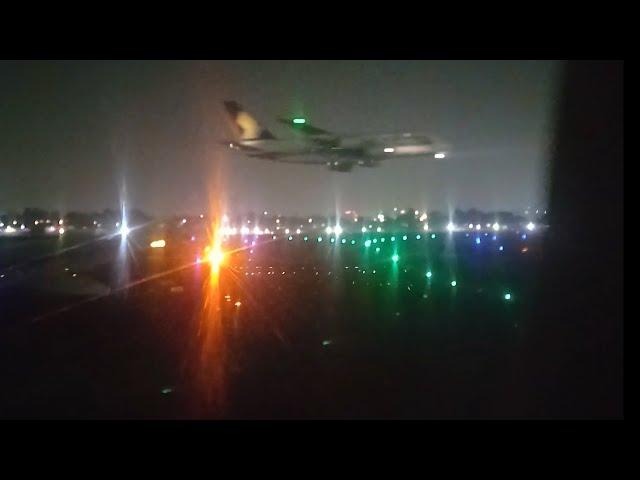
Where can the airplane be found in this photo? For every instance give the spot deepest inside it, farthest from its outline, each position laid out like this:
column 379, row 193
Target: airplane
column 315, row 146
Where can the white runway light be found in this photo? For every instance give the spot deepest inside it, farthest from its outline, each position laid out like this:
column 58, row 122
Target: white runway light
column 389, row 150
column 439, row 155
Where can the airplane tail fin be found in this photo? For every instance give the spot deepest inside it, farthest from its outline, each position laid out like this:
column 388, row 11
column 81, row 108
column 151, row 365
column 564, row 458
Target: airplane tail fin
column 248, row 127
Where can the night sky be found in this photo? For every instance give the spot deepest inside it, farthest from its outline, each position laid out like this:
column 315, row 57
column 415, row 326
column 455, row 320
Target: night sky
column 72, row 134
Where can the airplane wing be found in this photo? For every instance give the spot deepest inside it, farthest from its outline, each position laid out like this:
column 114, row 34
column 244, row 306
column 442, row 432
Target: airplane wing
column 301, row 125
column 314, row 134
column 286, row 158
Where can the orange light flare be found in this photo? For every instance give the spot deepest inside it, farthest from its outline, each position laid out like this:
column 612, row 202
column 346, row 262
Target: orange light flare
column 210, row 358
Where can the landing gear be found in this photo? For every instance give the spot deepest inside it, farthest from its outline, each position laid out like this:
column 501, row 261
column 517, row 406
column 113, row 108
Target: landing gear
column 338, row 166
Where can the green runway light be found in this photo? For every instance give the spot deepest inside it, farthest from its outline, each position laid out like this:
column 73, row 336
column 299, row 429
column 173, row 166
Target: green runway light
column 433, row 235
column 306, row 238
column 367, row 243
column 353, row 242
column 377, row 249
column 404, row 237
column 454, row 283
column 429, row 274
column 333, row 240
column 393, row 239
column 418, row 237
column 395, row 257
column 344, row 240
column 299, row 120
column 319, row 239
column 375, row 240
column 382, row 240
column 290, row 238
column 507, row 296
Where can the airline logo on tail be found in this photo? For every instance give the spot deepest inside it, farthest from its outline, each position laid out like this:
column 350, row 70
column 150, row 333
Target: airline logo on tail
column 248, row 127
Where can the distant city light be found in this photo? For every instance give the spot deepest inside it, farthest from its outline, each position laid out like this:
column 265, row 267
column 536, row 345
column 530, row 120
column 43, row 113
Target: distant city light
column 496, row 226
column 501, row 248
column 363, row 229
column 298, row 231
column 531, row 226
column 60, row 230
column 311, row 220
column 367, row 243
column 328, row 230
column 378, row 229
column 337, row 230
